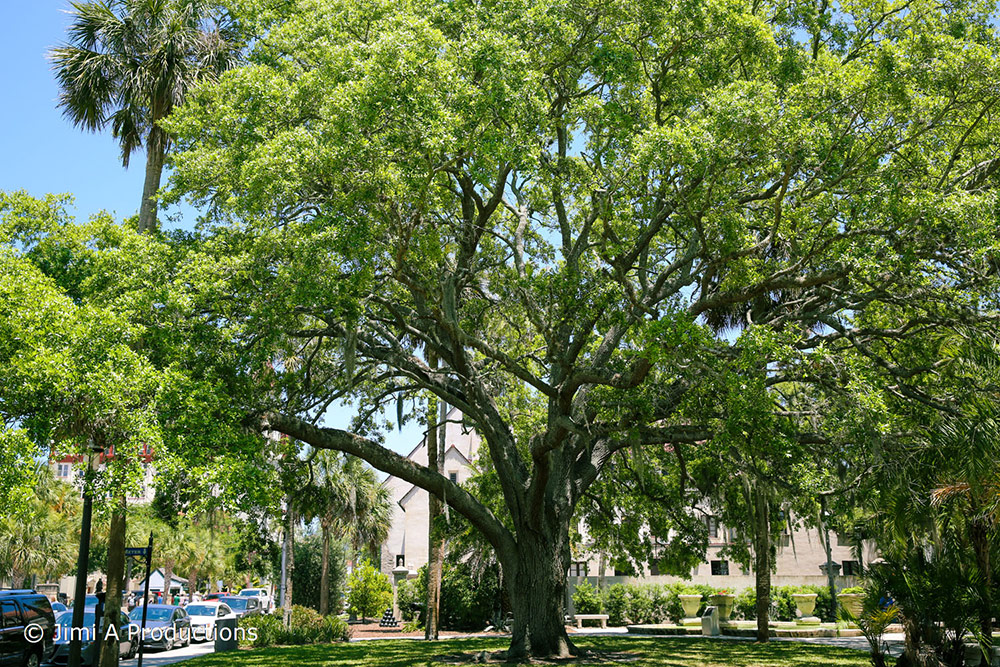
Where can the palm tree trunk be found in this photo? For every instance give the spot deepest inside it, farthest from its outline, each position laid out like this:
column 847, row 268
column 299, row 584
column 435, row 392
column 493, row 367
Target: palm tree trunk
column 156, row 148
column 980, row 537
column 324, row 571
column 192, row 580
column 168, row 577
column 116, row 576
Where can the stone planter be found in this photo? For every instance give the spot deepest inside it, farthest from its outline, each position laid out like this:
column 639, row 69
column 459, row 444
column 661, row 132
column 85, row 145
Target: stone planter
column 806, row 604
column 851, row 603
column 690, row 604
column 724, row 603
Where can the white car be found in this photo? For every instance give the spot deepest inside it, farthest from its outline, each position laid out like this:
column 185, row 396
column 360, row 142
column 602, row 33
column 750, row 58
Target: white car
column 260, row 594
column 203, row 617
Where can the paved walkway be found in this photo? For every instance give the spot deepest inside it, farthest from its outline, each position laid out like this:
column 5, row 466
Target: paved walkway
column 153, row 658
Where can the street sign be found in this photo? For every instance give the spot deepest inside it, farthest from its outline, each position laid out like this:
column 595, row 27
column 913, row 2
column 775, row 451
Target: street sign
column 137, row 551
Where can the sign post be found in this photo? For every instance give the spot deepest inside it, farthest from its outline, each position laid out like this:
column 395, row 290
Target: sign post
column 148, row 553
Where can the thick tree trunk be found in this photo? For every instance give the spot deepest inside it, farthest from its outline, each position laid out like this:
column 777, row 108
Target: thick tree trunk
column 156, row 148
column 536, row 585
column 286, row 602
column 762, row 563
column 116, row 576
column 435, row 545
column 324, row 571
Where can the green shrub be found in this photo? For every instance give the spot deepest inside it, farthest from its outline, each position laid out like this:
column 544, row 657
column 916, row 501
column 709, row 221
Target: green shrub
column 412, row 597
column 469, row 596
column 306, row 626
column 370, row 591
column 587, row 599
column 268, row 627
column 616, row 604
column 853, row 590
column 745, row 605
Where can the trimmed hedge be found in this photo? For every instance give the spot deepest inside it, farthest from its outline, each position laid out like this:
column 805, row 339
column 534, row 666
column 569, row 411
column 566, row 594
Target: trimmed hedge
column 783, row 604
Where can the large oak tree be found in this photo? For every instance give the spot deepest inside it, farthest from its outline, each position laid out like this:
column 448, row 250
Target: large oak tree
column 556, row 198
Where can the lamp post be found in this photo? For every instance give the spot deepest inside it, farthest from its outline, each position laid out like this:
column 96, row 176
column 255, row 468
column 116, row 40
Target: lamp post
column 83, row 558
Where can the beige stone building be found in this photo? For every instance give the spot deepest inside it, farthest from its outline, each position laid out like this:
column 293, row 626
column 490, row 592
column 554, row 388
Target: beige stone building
column 800, row 556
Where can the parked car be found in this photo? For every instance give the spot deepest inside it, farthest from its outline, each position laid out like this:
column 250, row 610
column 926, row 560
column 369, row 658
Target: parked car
column 58, row 607
column 127, row 646
column 216, row 596
column 167, row 626
column 203, row 616
column 243, row 606
column 259, row 593
column 20, row 609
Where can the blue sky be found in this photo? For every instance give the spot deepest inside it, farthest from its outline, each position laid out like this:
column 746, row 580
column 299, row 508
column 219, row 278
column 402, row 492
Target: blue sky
column 42, row 152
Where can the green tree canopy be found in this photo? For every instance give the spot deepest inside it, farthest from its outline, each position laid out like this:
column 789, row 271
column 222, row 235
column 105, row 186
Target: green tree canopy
column 564, row 200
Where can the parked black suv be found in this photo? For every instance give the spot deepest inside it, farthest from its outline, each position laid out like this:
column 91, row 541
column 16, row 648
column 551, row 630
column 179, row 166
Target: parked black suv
column 27, row 627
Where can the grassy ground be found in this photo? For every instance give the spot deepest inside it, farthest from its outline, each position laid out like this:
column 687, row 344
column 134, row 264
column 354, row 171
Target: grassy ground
column 634, row 652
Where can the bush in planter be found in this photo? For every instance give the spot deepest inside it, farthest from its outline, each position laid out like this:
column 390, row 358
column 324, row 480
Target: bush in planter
column 587, row 599
column 824, row 602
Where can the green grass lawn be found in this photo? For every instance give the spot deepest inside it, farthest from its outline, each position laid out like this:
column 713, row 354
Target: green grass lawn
column 644, row 652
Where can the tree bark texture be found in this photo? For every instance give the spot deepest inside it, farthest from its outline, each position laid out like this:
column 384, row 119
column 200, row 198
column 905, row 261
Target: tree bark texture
column 762, row 563
column 156, row 148
column 536, row 585
column 286, row 602
column 324, row 570
column 116, row 575
column 435, row 545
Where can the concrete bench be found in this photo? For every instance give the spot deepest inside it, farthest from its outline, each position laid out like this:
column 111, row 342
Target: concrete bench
column 580, row 618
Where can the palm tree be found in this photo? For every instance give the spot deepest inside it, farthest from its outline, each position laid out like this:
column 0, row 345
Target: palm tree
column 170, row 546
column 351, row 502
column 128, row 63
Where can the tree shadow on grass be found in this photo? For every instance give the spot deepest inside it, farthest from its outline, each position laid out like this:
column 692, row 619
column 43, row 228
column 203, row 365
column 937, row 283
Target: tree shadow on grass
column 604, row 652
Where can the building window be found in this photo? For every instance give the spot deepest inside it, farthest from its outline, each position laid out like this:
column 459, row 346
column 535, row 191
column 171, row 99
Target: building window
column 784, row 540
column 713, row 526
column 453, row 476
column 851, row 568
column 63, row 470
column 720, row 568
column 578, row 569
column 844, row 541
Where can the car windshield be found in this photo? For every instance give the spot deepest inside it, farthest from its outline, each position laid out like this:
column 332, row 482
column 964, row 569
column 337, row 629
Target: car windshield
column 65, row 620
column 250, row 592
column 201, row 610
column 152, row 614
column 237, row 604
